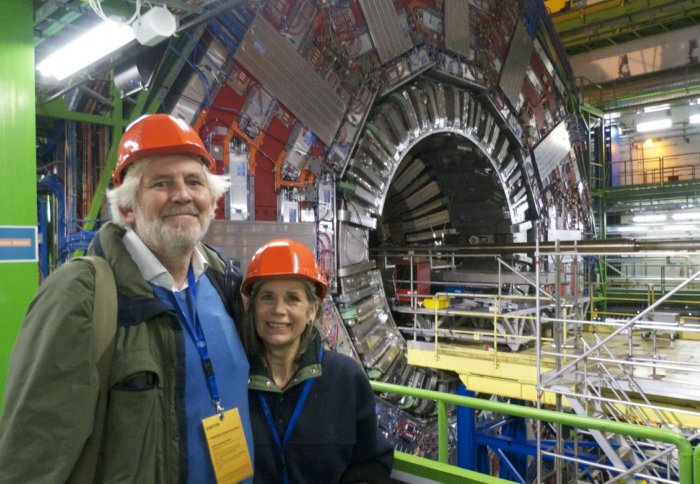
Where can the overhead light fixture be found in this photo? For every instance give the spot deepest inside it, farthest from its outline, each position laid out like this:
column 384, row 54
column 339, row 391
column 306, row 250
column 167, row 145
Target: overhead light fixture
column 649, row 218
column 627, row 228
column 154, row 26
column 659, row 107
column 655, row 125
column 96, row 43
column 686, row 216
column 675, row 228
column 694, row 119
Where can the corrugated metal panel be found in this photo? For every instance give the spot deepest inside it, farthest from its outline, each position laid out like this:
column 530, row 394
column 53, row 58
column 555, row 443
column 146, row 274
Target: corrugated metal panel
column 385, row 29
column 241, row 239
column 282, row 71
column 550, row 152
column 516, row 64
column 457, row 26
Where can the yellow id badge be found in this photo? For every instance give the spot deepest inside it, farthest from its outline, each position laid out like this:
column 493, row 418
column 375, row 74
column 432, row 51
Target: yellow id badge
column 227, row 447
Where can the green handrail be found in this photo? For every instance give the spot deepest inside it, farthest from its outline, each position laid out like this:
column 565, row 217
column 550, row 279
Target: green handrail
column 696, row 465
column 686, row 456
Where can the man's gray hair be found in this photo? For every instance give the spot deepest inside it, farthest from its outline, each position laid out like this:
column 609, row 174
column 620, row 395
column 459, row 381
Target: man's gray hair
column 124, row 195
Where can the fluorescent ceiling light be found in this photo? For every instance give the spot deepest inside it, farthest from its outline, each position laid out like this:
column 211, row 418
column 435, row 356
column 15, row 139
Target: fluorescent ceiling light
column 655, row 125
column 627, row 228
column 679, row 228
column 686, row 216
column 649, row 218
column 101, row 40
column 694, row 119
column 653, row 109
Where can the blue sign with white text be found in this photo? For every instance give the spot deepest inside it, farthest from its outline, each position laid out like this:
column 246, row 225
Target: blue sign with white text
column 18, row 244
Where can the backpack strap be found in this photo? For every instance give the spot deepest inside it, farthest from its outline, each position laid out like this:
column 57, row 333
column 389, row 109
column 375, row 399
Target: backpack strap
column 104, row 325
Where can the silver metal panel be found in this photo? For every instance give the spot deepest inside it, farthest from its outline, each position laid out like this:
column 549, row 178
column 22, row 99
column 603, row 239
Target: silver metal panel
column 409, row 114
column 371, row 174
column 238, row 208
column 428, row 95
column 380, row 143
column 385, row 29
column 550, row 152
column 378, row 154
column 356, row 269
column 368, row 198
column 357, row 214
column 457, row 26
column 360, row 282
column 390, row 130
column 385, row 362
column 474, row 116
column 352, row 245
column 453, row 106
column 419, row 106
column 493, row 139
column 441, row 105
column 501, row 150
column 395, row 120
column 485, row 128
column 468, row 105
column 241, row 239
column 516, row 64
column 272, row 60
column 189, row 103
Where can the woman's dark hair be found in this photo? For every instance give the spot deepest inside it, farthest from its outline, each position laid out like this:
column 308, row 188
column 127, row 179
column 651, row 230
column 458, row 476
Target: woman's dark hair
column 253, row 344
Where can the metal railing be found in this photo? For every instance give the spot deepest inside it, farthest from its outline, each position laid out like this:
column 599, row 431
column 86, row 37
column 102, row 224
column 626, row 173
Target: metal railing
column 687, row 458
column 658, row 170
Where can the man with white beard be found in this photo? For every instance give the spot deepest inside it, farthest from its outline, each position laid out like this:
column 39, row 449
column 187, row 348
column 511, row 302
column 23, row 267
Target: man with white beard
column 178, row 366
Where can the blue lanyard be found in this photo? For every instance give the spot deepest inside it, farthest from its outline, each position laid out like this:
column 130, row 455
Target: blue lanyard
column 292, row 421
column 194, row 329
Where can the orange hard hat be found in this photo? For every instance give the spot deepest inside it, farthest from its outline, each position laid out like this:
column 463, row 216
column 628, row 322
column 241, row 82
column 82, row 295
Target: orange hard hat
column 284, row 257
column 154, row 135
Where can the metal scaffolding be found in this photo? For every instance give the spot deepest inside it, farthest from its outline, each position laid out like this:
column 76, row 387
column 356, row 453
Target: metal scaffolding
column 557, row 307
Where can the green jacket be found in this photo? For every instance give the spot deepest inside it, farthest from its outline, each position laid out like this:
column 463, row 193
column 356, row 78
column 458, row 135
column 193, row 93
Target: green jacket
column 53, row 383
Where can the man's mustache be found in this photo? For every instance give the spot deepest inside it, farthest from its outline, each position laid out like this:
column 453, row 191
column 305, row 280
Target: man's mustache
column 180, row 211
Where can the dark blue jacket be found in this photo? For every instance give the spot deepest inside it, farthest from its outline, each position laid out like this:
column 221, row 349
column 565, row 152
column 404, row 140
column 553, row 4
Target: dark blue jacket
column 336, row 439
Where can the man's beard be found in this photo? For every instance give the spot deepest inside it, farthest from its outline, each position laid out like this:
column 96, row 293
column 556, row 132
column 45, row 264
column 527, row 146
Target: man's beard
column 169, row 238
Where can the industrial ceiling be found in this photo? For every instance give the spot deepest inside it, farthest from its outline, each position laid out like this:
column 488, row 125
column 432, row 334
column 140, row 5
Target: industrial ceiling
column 583, row 27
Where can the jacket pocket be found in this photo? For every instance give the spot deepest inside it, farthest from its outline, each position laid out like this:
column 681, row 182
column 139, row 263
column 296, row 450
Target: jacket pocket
column 132, row 427
column 132, row 441
column 138, row 382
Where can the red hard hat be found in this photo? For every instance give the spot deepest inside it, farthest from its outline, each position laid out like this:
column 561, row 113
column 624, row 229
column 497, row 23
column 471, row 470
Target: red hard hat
column 284, row 257
column 158, row 134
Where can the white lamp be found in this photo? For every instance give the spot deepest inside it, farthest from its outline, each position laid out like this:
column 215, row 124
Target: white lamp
column 655, row 125
column 154, row 26
column 649, row 218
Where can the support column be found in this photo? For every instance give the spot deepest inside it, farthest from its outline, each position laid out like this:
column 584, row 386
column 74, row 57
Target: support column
column 18, row 201
column 466, row 433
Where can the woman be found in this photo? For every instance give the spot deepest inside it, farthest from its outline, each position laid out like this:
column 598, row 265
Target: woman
column 312, row 410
